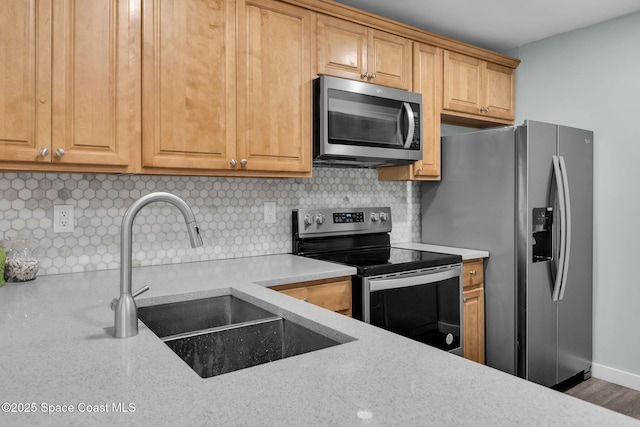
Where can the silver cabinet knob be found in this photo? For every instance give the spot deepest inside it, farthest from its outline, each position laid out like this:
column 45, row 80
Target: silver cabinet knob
column 464, row 300
column 365, row 76
column 420, row 169
column 59, row 152
column 234, row 163
column 473, row 272
column 373, row 76
column 243, row 162
column 44, row 152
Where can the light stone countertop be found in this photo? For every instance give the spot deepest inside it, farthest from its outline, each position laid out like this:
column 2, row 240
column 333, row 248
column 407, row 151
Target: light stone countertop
column 56, row 350
column 465, row 253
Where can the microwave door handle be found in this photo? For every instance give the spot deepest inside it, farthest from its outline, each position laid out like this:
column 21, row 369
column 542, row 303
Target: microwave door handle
column 421, row 279
column 412, row 124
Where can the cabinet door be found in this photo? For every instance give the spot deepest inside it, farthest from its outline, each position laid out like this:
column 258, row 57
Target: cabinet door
column 462, row 89
column 25, row 80
column 341, row 48
column 389, row 60
column 499, row 91
column 332, row 294
column 274, row 88
column 473, row 311
column 188, row 91
column 427, row 77
column 95, row 81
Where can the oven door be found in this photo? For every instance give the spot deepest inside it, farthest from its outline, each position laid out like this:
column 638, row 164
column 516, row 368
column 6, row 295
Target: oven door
column 424, row 305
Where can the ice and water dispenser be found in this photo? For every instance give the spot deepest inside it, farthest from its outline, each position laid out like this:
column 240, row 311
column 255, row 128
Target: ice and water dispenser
column 542, row 234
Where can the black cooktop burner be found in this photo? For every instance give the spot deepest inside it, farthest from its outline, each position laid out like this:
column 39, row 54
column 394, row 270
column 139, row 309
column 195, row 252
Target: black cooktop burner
column 370, row 262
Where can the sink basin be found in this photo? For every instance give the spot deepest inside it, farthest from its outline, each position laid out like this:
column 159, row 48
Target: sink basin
column 199, row 314
column 223, row 334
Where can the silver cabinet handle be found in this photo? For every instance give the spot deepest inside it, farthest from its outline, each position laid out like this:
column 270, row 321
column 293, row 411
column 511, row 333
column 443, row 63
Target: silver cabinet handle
column 365, row 76
column 373, row 76
column 464, row 300
column 243, row 162
column 234, row 163
column 420, row 169
column 59, row 152
column 44, row 152
column 473, row 272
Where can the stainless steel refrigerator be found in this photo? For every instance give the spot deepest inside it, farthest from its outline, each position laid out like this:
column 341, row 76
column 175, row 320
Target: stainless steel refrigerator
column 525, row 194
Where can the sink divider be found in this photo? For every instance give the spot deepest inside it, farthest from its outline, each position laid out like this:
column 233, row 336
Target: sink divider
column 221, row 328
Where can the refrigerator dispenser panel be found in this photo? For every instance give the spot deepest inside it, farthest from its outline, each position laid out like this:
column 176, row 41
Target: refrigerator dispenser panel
column 542, row 235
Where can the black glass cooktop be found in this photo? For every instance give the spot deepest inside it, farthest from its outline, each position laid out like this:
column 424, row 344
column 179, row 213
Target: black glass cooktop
column 370, row 262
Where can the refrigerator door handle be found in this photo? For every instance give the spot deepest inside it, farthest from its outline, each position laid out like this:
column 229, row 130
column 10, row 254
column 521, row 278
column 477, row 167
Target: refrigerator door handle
column 561, row 258
column 567, row 207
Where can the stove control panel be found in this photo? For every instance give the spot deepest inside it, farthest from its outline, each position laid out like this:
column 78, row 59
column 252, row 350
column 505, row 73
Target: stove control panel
column 341, row 221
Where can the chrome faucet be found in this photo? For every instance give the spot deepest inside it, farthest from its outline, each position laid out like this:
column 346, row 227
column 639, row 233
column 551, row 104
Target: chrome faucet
column 126, row 312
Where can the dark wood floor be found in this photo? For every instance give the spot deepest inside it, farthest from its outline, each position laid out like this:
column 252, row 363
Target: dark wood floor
column 612, row 396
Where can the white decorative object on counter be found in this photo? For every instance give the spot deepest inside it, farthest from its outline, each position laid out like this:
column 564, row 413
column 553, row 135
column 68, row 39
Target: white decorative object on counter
column 21, row 264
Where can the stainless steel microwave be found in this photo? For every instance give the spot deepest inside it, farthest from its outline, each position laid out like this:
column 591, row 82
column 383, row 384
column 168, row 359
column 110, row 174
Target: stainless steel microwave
column 365, row 125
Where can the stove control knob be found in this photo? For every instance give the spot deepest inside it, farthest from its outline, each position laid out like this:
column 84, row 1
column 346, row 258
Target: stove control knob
column 374, row 217
column 308, row 220
column 383, row 216
column 319, row 219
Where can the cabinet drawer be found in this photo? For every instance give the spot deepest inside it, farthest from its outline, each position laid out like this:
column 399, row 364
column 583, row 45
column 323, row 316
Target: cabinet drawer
column 473, row 273
column 332, row 294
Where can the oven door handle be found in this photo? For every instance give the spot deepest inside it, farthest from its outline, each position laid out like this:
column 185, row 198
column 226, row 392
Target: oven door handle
column 419, row 279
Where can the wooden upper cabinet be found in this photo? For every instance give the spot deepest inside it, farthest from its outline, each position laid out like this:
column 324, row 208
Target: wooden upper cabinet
column 25, row 80
column 427, row 77
column 189, row 83
column 478, row 89
column 353, row 51
column 274, row 88
column 69, row 94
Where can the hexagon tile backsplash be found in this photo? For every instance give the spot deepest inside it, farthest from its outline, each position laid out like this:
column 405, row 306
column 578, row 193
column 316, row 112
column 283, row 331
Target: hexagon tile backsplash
column 229, row 212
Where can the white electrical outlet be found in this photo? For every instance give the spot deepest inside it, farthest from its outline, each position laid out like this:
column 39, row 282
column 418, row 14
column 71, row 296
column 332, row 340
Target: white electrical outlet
column 63, row 219
column 269, row 212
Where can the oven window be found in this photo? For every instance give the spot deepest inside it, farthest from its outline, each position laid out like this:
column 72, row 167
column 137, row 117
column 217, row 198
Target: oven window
column 428, row 313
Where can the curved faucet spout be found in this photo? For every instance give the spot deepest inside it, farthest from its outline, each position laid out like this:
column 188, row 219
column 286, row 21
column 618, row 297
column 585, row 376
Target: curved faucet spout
column 126, row 312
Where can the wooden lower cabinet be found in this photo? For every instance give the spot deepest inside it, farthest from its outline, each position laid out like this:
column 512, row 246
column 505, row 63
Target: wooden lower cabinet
column 473, row 309
column 333, row 294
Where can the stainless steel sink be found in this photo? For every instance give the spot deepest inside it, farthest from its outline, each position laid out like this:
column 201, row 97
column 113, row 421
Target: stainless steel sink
column 224, row 334
column 199, row 314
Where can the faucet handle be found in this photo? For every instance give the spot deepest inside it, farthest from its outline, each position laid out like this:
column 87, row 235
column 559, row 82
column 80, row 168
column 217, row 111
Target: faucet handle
column 140, row 291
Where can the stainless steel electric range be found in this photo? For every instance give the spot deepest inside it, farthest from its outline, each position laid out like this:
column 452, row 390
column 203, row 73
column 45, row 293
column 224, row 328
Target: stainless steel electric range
column 416, row 294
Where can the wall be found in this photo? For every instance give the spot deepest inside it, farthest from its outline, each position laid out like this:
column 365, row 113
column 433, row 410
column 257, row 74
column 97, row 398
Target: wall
column 590, row 78
column 229, row 212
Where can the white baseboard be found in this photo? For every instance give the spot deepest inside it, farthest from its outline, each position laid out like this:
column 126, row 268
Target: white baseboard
column 616, row 376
